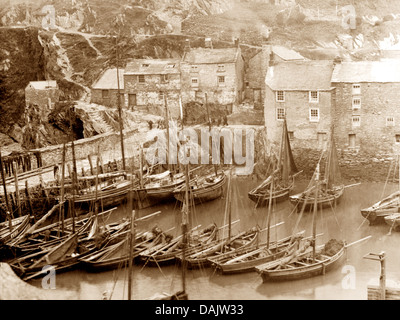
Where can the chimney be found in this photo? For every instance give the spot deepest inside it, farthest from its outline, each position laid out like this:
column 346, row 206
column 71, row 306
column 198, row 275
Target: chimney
column 187, row 46
column 208, row 43
column 236, row 42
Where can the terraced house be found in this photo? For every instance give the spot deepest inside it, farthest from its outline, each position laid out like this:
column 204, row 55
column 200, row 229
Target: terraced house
column 152, row 85
column 301, row 92
column 367, row 107
column 217, row 73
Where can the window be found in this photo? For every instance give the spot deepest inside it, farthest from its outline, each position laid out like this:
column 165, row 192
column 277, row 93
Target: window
column 142, row 78
column 105, row 94
column 280, row 114
column 221, row 80
column 221, row 68
column 397, row 137
column 194, row 69
column 389, row 121
column 356, row 121
column 314, row 114
column 280, row 96
column 356, row 89
column 314, row 96
column 195, row 82
column 145, row 65
column 161, row 95
column 356, row 103
column 352, row 140
column 291, row 135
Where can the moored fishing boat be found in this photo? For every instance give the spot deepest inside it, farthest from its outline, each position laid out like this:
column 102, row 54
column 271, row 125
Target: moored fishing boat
column 331, row 189
column 378, row 212
column 247, row 259
column 204, row 188
column 283, row 175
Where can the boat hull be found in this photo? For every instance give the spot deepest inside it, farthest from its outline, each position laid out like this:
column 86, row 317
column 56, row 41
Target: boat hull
column 204, row 193
column 304, row 272
column 251, row 264
column 262, row 200
column 328, row 201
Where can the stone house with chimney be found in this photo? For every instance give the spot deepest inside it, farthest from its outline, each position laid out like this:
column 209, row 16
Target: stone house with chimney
column 301, row 92
column 41, row 97
column 105, row 90
column 151, row 85
column 215, row 73
column 367, row 106
column 257, row 66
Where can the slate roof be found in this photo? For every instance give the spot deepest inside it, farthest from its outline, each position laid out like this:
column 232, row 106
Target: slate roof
column 108, row 80
column 211, row 56
column 286, row 53
column 42, row 85
column 309, row 75
column 367, row 71
column 153, row 66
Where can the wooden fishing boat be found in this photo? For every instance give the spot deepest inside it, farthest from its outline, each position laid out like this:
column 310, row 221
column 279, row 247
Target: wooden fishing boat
column 45, row 233
column 247, row 259
column 62, row 255
column 159, row 188
column 118, row 254
column 18, row 226
column 108, row 195
column 393, row 220
column 378, row 212
column 201, row 258
column 205, row 188
column 166, row 253
column 303, row 265
column 282, row 177
column 309, row 260
column 330, row 190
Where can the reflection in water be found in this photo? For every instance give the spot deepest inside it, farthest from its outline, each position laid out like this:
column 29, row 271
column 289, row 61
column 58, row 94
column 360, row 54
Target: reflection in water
column 344, row 223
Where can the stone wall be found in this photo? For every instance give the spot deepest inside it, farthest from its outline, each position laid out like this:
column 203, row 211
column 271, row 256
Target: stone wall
column 149, row 96
column 374, row 135
column 111, row 101
column 306, row 134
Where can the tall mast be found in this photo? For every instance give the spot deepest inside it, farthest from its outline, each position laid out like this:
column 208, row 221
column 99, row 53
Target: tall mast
column 119, row 108
column 270, row 208
column 314, row 219
column 132, row 236
column 62, row 189
column 74, row 178
column 185, row 218
column 167, row 128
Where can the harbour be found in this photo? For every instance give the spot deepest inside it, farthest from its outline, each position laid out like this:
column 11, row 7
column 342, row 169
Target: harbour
column 347, row 282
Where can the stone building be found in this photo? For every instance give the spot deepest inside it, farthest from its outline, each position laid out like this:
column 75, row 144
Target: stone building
column 41, row 97
column 219, row 73
column 105, row 90
column 153, row 84
column 257, row 66
column 367, row 111
column 300, row 91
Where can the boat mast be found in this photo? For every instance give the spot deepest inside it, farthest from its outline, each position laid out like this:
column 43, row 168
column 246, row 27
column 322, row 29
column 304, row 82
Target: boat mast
column 74, row 178
column 62, row 189
column 270, row 209
column 119, row 107
column 167, row 128
column 314, row 219
column 132, row 234
column 185, row 218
